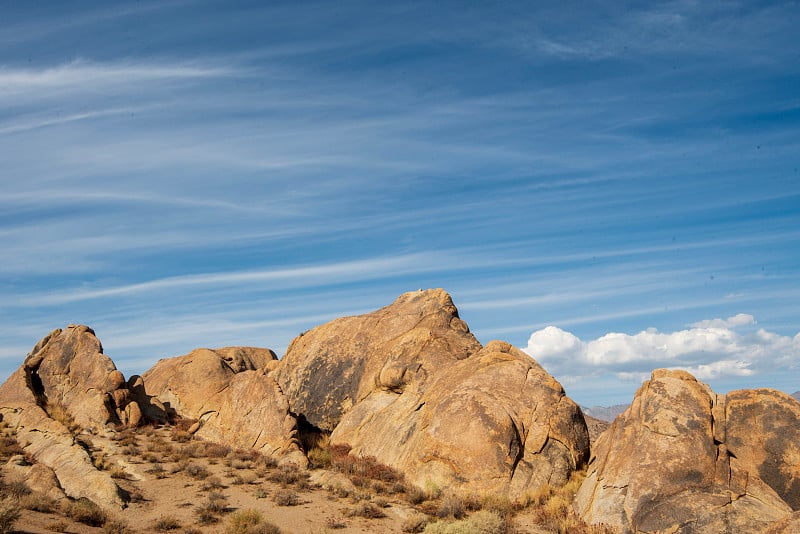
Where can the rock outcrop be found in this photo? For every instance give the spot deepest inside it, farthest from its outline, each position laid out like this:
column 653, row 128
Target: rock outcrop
column 329, row 369
column 787, row 525
column 68, row 372
column 64, row 384
column 667, row 464
column 763, row 434
column 231, row 395
column 493, row 422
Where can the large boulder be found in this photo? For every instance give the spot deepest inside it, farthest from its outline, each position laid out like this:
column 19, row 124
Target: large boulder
column 231, row 395
column 494, row 422
column 665, row 466
column 187, row 385
column 763, row 434
column 68, row 373
column 65, row 386
column 787, row 525
column 331, row 368
column 253, row 412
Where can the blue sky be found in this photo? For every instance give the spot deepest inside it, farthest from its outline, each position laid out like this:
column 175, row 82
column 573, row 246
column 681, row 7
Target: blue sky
column 612, row 186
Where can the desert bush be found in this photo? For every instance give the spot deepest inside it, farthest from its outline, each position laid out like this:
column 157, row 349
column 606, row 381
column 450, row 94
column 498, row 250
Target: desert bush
column 335, row 523
column 84, row 511
column 57, row 525
column 415, row 523
column 368, row 510
column 481, row 522
column 198, row 472
column 452, row 506
column 287, row 474
column 16, row 487
column 415, row 495
column 166, row 523
column 38, row 502
column 250, row 522
column 285, row 497
column 212, row 483
column 215, row 450
column 157, row 470
column 9, row 514
column 10, row 447
column 320, row 458
column 117, row 526
column 59, row 413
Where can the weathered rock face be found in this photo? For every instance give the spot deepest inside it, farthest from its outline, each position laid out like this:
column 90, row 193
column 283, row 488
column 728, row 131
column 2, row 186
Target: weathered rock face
column 329, row 369
column 787, row 525
column 763, row 433
column 66, row 384
column 253, row 412
column 232, row 396
column 187, row 385
column 495, row 421
column 68, row 371
column 664, row 466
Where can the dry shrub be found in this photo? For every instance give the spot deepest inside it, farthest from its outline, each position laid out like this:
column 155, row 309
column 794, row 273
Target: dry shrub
column 415, row 523
column 367, row 510
column 59, row 413
column 285, row 497
column 212, row 483
column 38, row 502
column 198, row 472
column 215, row 450
column 166, row 523
column 415, row 495
column 287, row 474
column 335, row 523
column 84, row 511
column 57, row 525
column 117, row 526
column 16, row 488
column 250, row 522
column 9, row 514
column 157, row 470
column 481, row 522
column 9, row 447
column 452, row 506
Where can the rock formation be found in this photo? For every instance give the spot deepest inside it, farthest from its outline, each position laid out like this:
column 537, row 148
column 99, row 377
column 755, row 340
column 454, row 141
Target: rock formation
column 667, row 464
column 65, row 383
column 493, row 422
column 229, row 392
column 334, row 366
column 410, row 385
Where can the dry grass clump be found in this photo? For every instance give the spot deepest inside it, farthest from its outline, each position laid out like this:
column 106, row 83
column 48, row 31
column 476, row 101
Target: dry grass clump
column 59, row 413
column 117, row 526
column 84, row 511
column 216, row 504
column 367, row 510
column 250, row 522
column 335, row 523
column 415, row 523
column 286, row 497
column 480, row 522
column 9, row 514
column 289, row 474
column 38, row 502
column 166, row 523
column 57, row 525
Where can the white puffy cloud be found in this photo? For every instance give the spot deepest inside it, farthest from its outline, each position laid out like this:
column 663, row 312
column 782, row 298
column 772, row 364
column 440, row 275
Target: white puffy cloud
column 710, row 349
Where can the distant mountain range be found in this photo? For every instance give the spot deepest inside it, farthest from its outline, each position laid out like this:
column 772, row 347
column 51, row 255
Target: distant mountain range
column 605, row 413
column 796, row 395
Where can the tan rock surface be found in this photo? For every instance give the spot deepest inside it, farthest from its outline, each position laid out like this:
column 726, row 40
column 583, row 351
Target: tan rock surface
column 334, row 366
column 494, row 422
column 67, row 369
column 187, row 385
column 788, row 525
column 51, row 443
column 763, row 433
column 231, row 395
column 252, row 412
column 663, row 466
